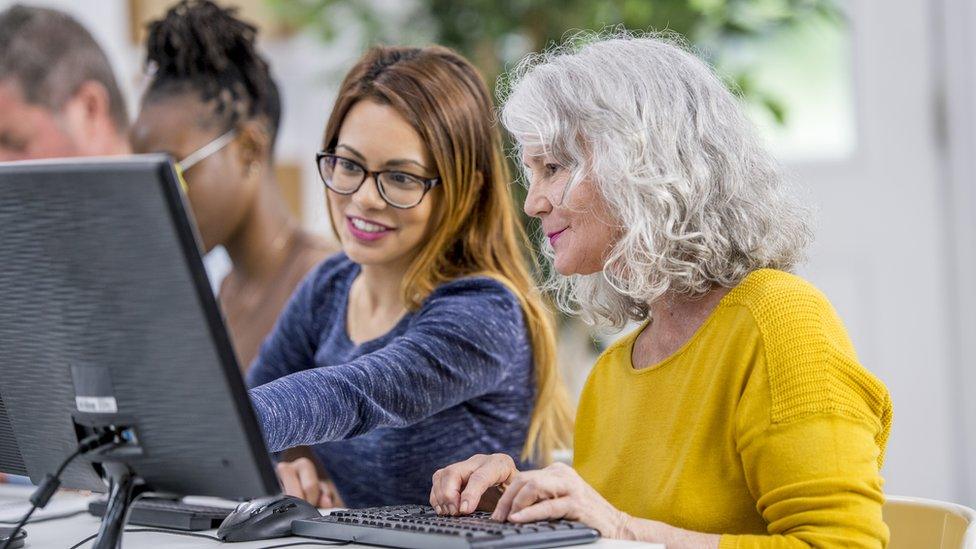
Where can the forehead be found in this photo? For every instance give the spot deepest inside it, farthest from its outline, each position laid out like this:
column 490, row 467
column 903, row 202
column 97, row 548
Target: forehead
column 534, row 151
column 380, row 133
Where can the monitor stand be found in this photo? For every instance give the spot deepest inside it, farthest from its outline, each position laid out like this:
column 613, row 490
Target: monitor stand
column 124, row 488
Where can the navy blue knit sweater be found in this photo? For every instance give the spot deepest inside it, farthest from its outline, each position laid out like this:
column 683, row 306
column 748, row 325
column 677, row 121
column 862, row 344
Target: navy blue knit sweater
column 451, row 379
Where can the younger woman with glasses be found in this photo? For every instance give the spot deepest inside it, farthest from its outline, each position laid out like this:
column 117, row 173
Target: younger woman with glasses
column 213, row 105
column 424, row 341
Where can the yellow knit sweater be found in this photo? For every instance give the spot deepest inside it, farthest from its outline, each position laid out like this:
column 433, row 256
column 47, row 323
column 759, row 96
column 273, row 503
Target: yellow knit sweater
column 762, row 427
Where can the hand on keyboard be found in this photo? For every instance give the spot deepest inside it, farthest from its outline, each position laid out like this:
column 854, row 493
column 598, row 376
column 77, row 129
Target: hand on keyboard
column 556, row 492
column 459, row 488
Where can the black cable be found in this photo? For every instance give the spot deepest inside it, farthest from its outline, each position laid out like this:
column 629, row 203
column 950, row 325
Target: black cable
column 65, row 515
column 298, row 543
column 17, row 529
column 84, row 541
column 214, row 538
column 50, row 484
column 174, row 532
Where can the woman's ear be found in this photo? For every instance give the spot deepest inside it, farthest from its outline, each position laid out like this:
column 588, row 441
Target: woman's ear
column 254, row 145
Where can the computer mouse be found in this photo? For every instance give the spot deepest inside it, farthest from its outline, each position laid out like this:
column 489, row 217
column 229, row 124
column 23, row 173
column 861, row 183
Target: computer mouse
column 265, row 518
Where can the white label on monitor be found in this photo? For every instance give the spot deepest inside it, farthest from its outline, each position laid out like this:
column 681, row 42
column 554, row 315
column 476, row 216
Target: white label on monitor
column 97, row 405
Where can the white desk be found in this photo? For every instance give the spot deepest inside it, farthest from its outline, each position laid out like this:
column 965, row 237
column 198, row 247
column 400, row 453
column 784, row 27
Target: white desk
column 63, row 533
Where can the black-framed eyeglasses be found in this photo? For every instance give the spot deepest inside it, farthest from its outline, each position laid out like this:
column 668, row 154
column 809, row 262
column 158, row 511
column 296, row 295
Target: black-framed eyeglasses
column 342, row 175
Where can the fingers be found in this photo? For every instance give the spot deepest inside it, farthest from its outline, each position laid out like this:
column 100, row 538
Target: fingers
column 475, row 475
column 529, row 488
column 544, row 510
column 447, row 482
column 289, row 480
column 497, row 471
column 326, row 499
column 308, row 477
column 505, row 502
column 537, row 488
column 330, row 498
column 299, row 478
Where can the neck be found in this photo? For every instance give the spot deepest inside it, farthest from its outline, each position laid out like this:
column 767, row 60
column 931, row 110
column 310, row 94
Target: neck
column 118, row 144
column 104, row 143
column 379, row 287
column 260, row 245
column 682, row 314
column 674, row 320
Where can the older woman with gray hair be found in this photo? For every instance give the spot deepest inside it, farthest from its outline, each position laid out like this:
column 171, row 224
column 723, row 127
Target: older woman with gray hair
column 737, row 413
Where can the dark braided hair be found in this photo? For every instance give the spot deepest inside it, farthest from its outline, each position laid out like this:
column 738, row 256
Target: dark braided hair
column 203, row 48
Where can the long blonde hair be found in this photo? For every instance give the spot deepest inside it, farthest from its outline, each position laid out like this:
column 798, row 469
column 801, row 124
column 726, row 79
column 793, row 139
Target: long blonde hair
column 475, row 231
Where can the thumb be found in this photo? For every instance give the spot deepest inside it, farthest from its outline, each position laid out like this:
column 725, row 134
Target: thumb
column 326, row 501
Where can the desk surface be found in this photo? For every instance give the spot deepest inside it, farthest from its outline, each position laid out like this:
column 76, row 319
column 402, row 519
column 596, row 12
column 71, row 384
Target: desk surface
column 63, row 533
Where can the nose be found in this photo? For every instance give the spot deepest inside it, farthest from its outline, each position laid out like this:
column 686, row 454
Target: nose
column 537, row 204
column 368, row 195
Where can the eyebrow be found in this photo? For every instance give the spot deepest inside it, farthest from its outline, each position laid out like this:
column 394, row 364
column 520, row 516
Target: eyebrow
column 392, row 162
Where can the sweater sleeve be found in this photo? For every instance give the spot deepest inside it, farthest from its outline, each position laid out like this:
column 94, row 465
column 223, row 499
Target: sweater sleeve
column 811, row 430
column 817, row 485
column 460, row 345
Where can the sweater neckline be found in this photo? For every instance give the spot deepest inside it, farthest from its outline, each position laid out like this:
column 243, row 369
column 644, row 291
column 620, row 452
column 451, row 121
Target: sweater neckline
column 631, row 339
column 342, row 321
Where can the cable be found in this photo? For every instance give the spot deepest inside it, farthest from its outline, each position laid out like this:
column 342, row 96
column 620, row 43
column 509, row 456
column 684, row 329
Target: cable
column 50, row 484
column 84, row 541
column 65, row 515
column 173, row 532
column 155, row 530
column 17, row 529
column 214, row 538
column 298, row 543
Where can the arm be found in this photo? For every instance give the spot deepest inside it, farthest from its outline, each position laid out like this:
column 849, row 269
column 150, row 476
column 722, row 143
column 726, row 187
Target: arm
column 818, row 486
column 551, row 493
column 460, row 345
column 816, row 483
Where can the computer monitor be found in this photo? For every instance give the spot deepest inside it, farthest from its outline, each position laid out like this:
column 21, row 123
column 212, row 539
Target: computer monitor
column 10, row 459
column 107, row 319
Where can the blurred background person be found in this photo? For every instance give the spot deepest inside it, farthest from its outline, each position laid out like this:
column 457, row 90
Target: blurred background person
column 58, row 94
column 213, row 105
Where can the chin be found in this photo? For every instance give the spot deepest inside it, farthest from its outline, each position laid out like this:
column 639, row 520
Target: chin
column 568, row 266
column 366, row 256
column 564, row 267
column 359, row 255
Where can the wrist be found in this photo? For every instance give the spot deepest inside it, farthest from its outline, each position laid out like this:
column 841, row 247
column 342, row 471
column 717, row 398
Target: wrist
column 623, row 527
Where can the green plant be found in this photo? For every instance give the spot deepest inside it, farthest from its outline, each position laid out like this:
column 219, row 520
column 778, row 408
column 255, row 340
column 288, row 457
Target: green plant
column 496, row 33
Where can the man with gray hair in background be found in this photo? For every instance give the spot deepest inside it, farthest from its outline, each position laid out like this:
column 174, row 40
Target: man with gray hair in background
column 58, row 94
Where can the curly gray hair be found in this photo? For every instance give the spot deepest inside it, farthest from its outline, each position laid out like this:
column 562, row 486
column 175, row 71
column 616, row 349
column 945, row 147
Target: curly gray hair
column 699, row 201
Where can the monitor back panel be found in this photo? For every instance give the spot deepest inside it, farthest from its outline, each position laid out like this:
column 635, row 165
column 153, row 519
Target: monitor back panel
column 99, row 273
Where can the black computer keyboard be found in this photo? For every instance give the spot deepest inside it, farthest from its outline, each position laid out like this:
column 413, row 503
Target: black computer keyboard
column 169, row 513
column 418, row 527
